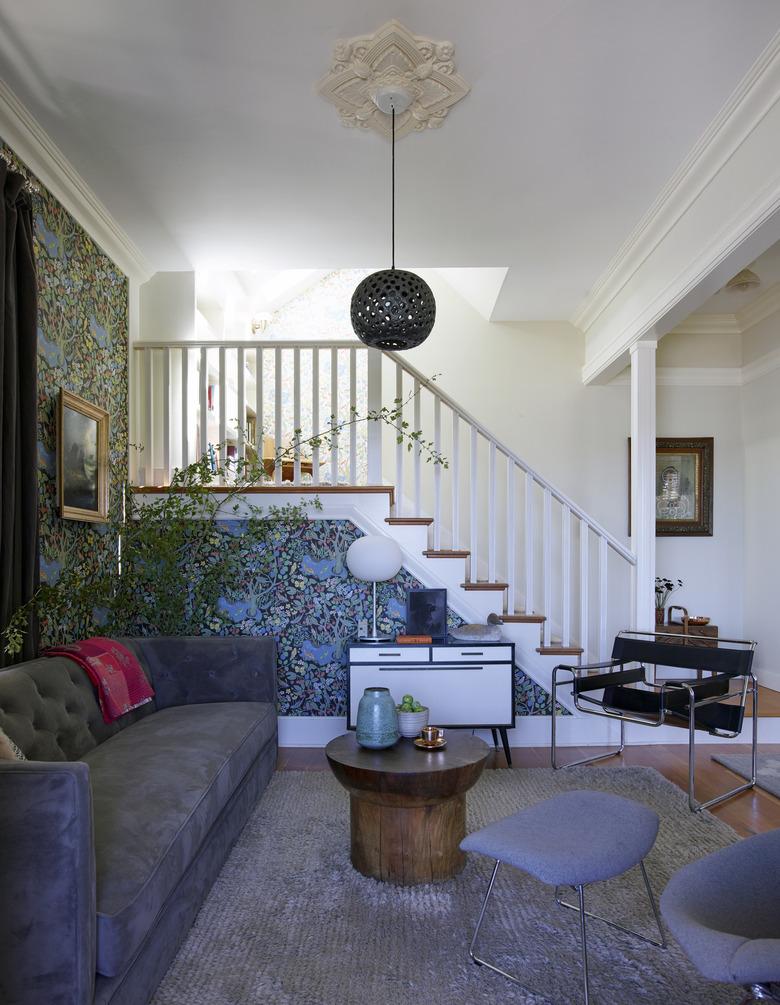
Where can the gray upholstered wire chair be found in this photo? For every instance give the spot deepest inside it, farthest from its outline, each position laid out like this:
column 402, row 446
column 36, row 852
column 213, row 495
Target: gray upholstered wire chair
column 723, row 911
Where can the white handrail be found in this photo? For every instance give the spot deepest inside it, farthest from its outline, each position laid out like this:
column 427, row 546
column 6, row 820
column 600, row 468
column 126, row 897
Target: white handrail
column 559, row 496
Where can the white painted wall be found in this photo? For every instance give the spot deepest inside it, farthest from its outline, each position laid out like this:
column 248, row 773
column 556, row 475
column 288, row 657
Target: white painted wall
column 167, row 306
column 711, row 568
column 761, row 423
column 523, row 381
column 525, row 384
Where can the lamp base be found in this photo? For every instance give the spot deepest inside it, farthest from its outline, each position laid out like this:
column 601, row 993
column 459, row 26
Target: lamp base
column 376, row 638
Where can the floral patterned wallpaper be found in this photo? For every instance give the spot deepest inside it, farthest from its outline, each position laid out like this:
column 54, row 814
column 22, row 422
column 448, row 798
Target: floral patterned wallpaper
column 308, row 600
column 311, row 604
column 82, row 346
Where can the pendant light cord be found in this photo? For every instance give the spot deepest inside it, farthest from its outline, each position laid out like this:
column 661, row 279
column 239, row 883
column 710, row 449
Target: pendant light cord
column 392, row 190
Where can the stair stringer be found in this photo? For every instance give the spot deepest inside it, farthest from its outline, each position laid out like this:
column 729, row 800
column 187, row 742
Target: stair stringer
column 472, row 607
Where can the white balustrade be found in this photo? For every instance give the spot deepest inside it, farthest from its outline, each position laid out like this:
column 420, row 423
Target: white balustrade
column 193, row 399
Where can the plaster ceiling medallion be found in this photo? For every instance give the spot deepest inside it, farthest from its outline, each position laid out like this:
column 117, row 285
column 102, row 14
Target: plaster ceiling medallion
column 393, row 59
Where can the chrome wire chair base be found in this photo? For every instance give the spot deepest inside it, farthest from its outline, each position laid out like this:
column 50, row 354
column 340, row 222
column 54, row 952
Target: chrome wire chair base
column 613, row 924
column 583, row 914
column 762, row 993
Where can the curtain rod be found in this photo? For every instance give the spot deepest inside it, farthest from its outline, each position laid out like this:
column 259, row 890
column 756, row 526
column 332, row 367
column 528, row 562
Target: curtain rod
column 29, row 185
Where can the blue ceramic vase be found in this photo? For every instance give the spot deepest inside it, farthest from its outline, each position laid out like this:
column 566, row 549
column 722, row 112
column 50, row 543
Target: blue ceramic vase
column 377, row 722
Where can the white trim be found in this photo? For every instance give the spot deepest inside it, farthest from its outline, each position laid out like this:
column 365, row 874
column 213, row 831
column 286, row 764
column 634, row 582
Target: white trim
column 761, row 367
column 735, row 233
column 748, row 104
column 708, row 324
column 32, row 145
column 689, row 376
column 754, row 313
column 760, row 309
column 531, row 731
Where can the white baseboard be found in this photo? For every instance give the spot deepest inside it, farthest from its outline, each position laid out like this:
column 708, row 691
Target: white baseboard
column 531, row 731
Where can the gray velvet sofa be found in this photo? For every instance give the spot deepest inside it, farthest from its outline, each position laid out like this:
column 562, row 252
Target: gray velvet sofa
column 112, row 834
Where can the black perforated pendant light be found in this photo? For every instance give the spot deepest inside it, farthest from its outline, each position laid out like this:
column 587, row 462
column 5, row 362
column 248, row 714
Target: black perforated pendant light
column 393, row 309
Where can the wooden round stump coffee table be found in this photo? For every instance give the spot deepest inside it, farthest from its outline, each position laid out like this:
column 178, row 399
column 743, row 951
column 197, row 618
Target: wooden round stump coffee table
column 408, row 806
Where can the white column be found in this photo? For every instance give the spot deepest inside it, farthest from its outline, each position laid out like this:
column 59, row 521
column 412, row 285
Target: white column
column 643, row 481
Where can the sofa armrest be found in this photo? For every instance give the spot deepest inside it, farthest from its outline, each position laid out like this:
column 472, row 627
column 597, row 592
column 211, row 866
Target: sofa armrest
column 190, row 670
column 47, row 884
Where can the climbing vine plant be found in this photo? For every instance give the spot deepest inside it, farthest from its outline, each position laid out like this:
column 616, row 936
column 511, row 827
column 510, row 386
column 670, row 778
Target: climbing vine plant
column 175, row 566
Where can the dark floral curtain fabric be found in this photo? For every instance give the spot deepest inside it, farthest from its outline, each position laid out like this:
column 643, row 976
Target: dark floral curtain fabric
column 18, row 403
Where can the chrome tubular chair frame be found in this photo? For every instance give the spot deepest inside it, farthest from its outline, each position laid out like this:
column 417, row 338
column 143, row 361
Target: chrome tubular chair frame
column 570, row 675
column 761, row 993
column 583, row 914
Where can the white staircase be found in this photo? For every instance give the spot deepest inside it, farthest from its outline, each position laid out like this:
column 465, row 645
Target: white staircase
column 489, row 528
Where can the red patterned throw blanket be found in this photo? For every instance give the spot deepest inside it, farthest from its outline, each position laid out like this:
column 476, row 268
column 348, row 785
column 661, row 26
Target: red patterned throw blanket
column 115, row 672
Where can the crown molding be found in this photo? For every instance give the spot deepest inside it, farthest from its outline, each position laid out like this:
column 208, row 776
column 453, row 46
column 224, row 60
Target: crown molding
column 32, row 145
column 754, row 96
column 761, row 367
column 709, row 324
column 760, row 309
column 754, row 313
column 688, row 376
column 738, row 230
column 708, row 376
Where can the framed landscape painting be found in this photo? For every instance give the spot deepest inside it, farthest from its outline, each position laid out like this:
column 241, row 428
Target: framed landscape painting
column 82, row 459
column 683, row 486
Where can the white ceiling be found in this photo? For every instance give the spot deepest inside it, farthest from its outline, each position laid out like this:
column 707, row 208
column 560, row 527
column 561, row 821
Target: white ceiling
column 198, row 125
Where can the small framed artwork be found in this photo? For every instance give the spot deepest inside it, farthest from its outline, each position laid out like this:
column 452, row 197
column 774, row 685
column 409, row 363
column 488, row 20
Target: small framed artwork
column 426, row 613
column 82, row 459
column 683, row 486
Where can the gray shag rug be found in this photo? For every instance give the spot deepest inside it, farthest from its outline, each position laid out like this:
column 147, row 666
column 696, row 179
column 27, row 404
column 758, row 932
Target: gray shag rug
column 767, row 769
column 290, row 922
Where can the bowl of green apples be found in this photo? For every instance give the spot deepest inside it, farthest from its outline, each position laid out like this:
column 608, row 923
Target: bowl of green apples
column 412, row 716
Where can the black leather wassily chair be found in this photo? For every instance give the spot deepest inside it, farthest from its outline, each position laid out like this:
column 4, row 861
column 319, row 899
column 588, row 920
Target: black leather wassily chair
column 620, row 689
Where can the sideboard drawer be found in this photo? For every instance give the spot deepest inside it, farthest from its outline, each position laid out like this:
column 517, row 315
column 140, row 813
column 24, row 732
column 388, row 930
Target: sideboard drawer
column 469, row 653
column 464, row 695
column 389, row 654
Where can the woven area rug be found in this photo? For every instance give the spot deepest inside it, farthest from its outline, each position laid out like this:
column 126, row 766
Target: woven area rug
column 290, row 922
column 767, row 769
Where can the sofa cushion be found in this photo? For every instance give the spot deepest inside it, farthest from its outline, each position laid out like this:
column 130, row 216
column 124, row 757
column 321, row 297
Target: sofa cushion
column 157, row 789
column 49, row 708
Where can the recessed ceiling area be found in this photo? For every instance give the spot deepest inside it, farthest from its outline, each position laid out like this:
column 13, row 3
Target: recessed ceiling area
column 726, row 301
column 199, row 127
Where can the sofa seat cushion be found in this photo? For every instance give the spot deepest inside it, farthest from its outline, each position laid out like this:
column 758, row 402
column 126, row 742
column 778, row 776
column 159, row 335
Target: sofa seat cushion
column 157, row 789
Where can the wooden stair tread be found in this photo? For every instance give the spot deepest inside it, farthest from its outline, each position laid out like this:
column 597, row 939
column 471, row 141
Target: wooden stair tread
column 409, row 521
column 445, row 553
column 556, row 650
column 480, row 585
column 523, row 619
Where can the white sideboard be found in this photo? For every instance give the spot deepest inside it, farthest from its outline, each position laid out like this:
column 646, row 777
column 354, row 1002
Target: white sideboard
column 464, row 685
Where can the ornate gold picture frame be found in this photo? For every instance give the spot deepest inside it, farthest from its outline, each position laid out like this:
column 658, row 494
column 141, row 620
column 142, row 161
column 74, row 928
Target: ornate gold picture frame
column 82, row 459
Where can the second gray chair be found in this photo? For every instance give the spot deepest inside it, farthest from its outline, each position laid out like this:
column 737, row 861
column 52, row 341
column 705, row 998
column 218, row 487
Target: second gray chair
column 573, row 839
column 723, row 911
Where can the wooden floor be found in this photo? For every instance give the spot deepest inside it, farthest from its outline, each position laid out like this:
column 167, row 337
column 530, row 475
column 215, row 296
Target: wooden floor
column 752, row 812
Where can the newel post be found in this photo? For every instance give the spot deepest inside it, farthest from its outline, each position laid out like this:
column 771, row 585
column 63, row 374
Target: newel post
column 643, row 385
column 374, row 432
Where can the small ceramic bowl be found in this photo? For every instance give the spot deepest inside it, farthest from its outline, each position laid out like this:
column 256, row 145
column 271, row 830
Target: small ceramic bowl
column 410, row 723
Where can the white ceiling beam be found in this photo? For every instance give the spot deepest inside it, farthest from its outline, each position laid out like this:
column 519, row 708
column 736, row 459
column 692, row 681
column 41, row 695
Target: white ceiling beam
column 720, row 206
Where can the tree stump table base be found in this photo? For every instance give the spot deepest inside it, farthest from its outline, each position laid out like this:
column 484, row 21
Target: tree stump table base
column 408, row 807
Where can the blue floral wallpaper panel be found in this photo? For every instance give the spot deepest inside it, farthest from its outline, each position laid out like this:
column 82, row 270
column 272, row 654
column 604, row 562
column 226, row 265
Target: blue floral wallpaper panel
column 307, row 599
column 82, row 346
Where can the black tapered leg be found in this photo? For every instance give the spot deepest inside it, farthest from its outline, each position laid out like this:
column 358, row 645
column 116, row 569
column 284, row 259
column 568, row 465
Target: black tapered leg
column 495, row 738
column 505, row 742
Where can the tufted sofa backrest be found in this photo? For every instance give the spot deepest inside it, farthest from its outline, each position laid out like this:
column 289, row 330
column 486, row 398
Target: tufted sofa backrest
column 49, row 708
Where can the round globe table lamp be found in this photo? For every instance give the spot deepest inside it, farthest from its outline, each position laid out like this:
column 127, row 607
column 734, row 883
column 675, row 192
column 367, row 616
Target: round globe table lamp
column 374, row 559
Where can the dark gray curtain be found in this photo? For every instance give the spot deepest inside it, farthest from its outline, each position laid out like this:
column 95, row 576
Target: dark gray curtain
column 18, row 405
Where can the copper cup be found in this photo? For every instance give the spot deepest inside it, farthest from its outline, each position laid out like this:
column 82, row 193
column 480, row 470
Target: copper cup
column 431, row 734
